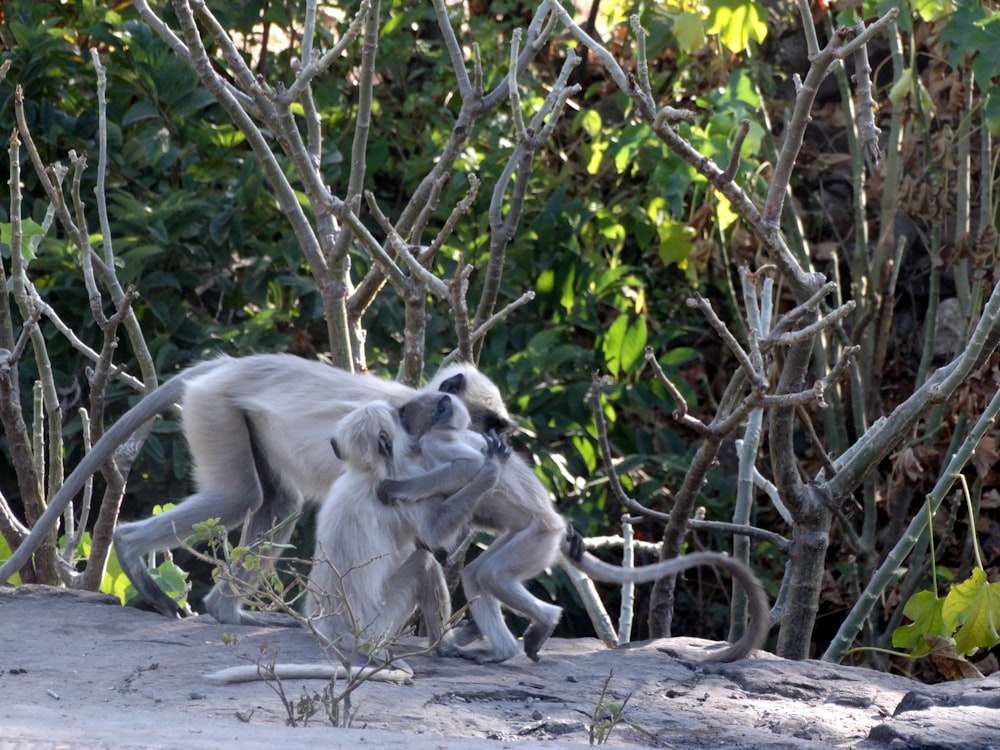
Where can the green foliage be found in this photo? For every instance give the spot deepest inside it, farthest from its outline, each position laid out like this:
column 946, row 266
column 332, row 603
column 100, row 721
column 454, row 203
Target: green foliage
column 737, row 23
column 924, row 608
column 14, row 580
column 972, row 612
column 968, row 617
column 974, row 30
column 172, row 580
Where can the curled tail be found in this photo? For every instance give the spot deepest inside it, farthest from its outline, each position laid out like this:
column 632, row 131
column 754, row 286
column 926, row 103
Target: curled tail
column 159, row 400
column 254, row 673
column 753, row 637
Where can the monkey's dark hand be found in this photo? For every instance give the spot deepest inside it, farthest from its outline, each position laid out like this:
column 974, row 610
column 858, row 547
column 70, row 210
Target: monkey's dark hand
column 575, row 545
column 496, row 447
column 384, row 493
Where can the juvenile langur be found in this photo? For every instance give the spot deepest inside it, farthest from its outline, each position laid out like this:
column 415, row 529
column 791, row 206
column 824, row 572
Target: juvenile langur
column 258, row 429
column 531, row 537
column 370, row 572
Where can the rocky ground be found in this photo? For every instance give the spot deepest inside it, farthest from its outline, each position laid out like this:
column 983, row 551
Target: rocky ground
column 77, row 670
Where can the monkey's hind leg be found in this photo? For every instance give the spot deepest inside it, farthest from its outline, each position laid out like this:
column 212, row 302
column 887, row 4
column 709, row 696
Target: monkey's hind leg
column 131, row 558
column 278, row 502
column 416, row 584
column 487, row 622
column 133, row 541
column 497, row 574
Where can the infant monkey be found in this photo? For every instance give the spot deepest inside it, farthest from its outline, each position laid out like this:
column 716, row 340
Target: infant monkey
column 531, row 537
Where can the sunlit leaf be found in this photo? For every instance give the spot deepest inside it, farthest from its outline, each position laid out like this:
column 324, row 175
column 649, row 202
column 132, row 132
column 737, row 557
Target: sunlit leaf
column 901, row 87
column 590, row 121
column 737, row 23
column 597, row 150
column 29, row 229
column 15, row 579
column 972, row 610
column 724, row 212
column 675, row 242
column 612, row 345
column 932, row 10
column 633, row 345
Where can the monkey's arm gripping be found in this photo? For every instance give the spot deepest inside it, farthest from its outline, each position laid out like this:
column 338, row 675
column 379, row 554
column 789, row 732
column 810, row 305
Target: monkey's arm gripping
column 446, row 479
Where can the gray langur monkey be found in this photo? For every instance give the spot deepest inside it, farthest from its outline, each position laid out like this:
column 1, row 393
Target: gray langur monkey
column 258, row 429
column 533, row 536
column 372, row 569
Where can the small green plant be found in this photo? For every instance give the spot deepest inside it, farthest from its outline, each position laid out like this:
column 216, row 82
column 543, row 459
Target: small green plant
column 957, row 625
column 249, row 564
column 607, row 714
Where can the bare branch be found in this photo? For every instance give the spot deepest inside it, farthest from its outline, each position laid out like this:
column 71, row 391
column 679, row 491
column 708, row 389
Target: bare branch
column 755, row 377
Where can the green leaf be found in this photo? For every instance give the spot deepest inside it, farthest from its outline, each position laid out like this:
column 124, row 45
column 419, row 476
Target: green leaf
column 924, row 608
column 171, row 579
column 29, row 229
column 633, row 345
column 14, row 580
column 612, row 345
column 972, row 610
column 675, row 242
column 737, row 23
column 141, row 110
column 624, row 345
column 689, row 29
column 932, row 10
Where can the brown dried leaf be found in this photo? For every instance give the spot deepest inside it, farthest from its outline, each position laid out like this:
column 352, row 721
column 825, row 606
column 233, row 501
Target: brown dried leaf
column 906, row 462
column 986, row 455
column 948, row 662
column 990, row 500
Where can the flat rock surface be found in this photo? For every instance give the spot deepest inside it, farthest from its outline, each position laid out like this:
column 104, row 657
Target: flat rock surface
column 77, row 670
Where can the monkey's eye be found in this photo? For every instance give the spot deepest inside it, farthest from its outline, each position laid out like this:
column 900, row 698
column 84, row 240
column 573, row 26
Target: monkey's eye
column 385, row 444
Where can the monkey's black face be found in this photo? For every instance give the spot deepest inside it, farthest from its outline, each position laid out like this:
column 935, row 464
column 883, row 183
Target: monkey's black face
column 420, row 415
column 489, row 421
column 443, row 410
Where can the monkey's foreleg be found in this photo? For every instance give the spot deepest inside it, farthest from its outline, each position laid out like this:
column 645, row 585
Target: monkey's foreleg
column 224, row 602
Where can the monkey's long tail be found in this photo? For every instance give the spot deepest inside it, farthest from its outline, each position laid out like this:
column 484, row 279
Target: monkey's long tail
column 159, row 400
column 253, row 673
column 755, row 633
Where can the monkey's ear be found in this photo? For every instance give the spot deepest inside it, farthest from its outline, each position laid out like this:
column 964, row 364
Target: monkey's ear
column 336, row 450
column 384, row 444
column 453, row 385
